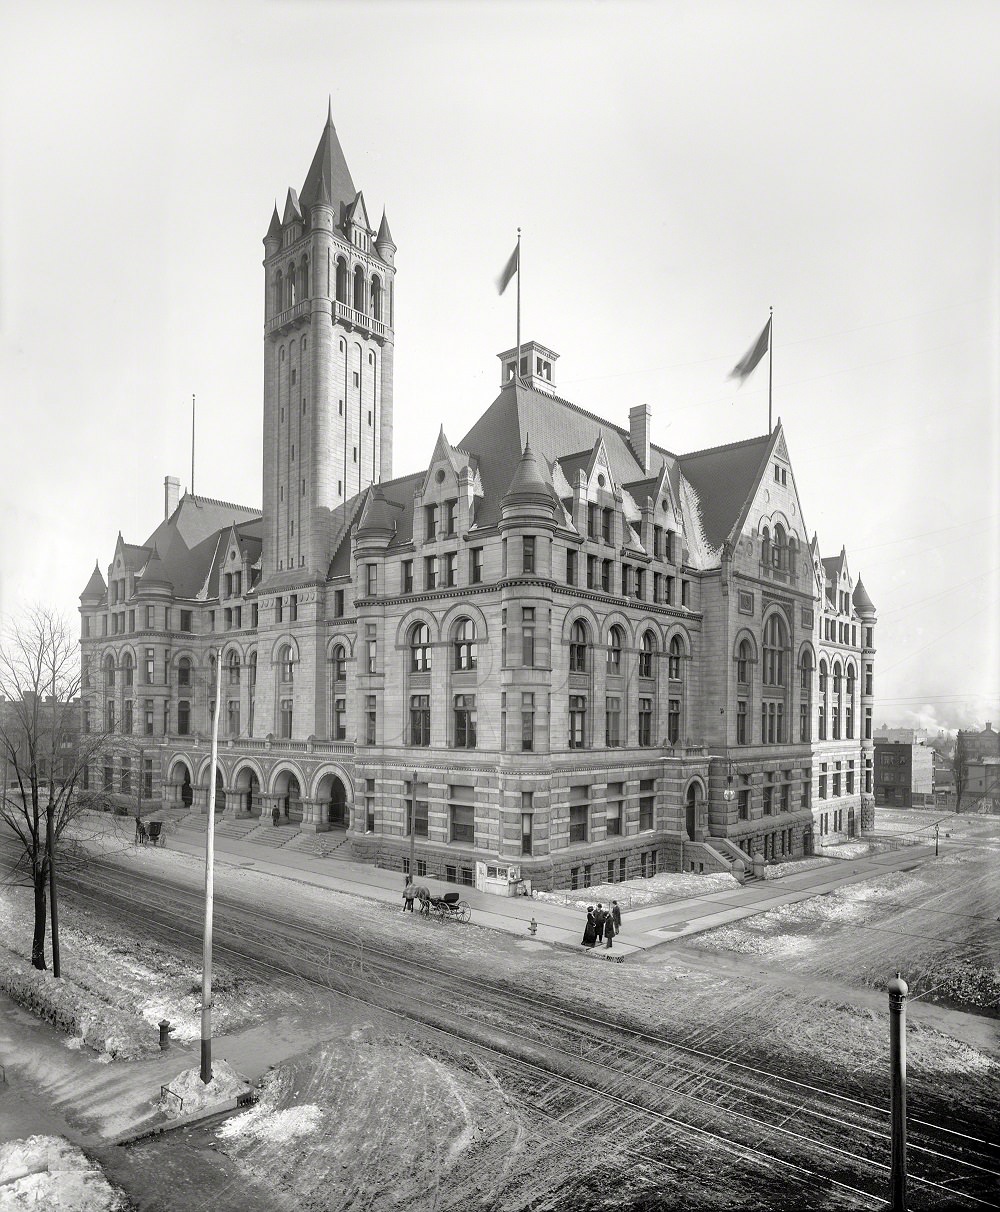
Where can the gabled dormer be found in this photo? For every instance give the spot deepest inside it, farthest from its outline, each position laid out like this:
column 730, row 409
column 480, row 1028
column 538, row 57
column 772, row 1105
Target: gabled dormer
column 356, row 225
column 444, row 503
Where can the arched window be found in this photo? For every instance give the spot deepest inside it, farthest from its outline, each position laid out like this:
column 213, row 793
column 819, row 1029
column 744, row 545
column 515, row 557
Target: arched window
column 765, row 546
column 233, row 665
column 466, row 648
column 109, row 671
column 279, row 288
column 837, row 701
column 616, row 642
column 359, row 289
column 775, row 643
column 579, row 639
column 778, row 551
column 805, row 673
column 676, row 651
column 823, row 686
column 342, row 280
column 304, row 278
column 338, row 659
column 744, row 655
column 293, row 294
column 376, row 309
column 420, row 648
column 184, row 672
column 128, row 669
column 793, row 551
column 646, row 655
column 286, row 663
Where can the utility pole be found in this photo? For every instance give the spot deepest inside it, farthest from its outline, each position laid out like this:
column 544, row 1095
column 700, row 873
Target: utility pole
column 936, row 828
column 206, row 979
column 897, row 1064
column 413, row 824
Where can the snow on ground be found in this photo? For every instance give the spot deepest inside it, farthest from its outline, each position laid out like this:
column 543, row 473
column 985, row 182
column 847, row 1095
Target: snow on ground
column 777, row 871
column 115, row 986
column 192, row 1094
column 48, row 1172
column 633, row 894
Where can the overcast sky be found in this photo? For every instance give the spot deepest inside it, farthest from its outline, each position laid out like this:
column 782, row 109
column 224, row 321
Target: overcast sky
column 676, row 168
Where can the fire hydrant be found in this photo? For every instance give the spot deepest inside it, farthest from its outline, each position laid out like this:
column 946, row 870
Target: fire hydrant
column 532, row 927
column 165, row 1029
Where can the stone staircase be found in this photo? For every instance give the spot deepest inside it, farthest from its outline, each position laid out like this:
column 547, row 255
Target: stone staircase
column 322, row 845
column 236, row 828
column 272, row 836
column 706, row 857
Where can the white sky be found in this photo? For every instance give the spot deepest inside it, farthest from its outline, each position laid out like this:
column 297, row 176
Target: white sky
column 676, row 168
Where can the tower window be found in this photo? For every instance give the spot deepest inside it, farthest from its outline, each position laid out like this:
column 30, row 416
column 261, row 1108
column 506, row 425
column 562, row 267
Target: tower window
column 369, row 416
column 357, row 379
column 293, row 376
column 355, row 454
column 303, row 406
column 340, row 407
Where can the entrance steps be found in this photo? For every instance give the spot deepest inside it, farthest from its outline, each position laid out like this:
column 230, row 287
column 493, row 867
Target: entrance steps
column 706, row 858
column 272, row 836
column 323, row 845
column 236, row 827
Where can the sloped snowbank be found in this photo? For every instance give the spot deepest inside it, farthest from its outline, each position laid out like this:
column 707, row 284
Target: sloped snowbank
column 48, row 1172
column 634, row 894
column 195, row 1094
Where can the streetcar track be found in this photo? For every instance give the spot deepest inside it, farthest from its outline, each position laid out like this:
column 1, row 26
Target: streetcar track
column 388, row 960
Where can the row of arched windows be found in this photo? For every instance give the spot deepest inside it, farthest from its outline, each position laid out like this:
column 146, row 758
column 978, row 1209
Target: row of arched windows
column 353, row 289
column 778, row 549
column 836, row 700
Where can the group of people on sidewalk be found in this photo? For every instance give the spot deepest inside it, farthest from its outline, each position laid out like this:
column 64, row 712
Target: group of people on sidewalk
column 602, row 924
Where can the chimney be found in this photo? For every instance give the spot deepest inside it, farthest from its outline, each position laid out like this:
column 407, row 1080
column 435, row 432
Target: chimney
column 638, row 423
column 171, row 494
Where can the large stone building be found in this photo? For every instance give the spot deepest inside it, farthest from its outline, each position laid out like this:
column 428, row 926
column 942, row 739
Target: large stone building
column 904, row 774
column 558, row 646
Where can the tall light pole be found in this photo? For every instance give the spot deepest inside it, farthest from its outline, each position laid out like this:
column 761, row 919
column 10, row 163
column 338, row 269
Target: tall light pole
column 897, row 1065
column 413, row 824
column 206, row 978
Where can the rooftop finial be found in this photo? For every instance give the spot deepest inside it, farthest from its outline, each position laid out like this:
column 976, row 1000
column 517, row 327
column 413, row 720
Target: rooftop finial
column 329, row 109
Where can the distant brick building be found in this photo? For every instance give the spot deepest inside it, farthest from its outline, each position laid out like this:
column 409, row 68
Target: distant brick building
column 984, row 744
column 560, row 645
column 904, row 774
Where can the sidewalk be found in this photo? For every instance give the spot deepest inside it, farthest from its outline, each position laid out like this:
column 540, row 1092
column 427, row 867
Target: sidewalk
column 642, row 929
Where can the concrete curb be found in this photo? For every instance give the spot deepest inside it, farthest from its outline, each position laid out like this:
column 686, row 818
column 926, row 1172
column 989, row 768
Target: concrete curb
column 238, row 1103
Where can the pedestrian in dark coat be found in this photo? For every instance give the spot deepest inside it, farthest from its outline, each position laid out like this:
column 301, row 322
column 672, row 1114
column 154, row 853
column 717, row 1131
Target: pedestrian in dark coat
column 600, row 916
column 590, row 930
column 609, row 930
column 616, row 915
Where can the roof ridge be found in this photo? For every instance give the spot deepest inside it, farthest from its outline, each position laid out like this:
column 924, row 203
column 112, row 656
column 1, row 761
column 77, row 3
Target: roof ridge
column 725, row 446
column 253, row 509
column 591, row 416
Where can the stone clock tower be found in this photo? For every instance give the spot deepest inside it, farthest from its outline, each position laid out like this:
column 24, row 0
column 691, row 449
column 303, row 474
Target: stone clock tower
column 328, row 357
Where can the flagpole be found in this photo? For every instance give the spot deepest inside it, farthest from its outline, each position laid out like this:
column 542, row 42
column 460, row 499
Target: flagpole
column 517, row 364
column 770, row 366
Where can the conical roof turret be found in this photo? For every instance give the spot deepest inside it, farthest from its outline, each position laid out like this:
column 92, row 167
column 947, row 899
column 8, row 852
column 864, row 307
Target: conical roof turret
column 96, row 589
column 329, row 170
column 154, row 575
column 378, row 519
column 274, row 229
column 528, row 489
column 862, row 602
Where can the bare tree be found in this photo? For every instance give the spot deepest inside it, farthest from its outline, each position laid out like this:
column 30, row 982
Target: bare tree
column 960, row 768
column 46, row 750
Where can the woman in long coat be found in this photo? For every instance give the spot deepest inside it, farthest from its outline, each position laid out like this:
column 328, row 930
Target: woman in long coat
column 590, row 930
column 609, row 929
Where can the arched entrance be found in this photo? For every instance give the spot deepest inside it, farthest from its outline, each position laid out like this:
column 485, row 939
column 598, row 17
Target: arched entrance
column 289, row 792
column 182, row 793
column 220, row 792
column 248, row 790
column 334, row 806
column 692, row 802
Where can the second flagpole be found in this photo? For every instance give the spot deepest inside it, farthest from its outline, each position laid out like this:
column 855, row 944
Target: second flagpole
column 517, row 370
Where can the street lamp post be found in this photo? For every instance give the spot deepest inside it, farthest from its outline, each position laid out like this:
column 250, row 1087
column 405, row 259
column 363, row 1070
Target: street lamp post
column 413, row 823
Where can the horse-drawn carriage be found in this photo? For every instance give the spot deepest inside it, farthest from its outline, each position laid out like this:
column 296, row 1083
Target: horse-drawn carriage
column 447, row 907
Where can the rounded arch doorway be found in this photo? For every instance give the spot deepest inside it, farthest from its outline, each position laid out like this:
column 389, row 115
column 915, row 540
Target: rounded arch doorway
column 288, row 789
column 180, row 782
column 692, row 809
column 248, row 791
column 335, row 807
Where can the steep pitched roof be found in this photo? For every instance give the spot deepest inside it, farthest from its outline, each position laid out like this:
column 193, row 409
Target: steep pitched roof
column 559, row 431
column 724, row 477
column 188, row 540
column 862, row 602
column 384, row 234
column 329, row 166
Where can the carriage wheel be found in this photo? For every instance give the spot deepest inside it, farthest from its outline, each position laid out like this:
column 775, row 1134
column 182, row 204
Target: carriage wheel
column 463, row 910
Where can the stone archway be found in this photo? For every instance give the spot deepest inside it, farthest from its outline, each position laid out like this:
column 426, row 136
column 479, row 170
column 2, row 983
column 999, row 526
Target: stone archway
column 288, row 796
column 247, row 787
column 181, row 789
column 220, row 791
column 333, row 802
column 694, row 803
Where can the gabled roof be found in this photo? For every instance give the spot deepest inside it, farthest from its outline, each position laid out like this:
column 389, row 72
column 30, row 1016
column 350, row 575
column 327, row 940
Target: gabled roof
column 293, row 210
column 357, row 212
column 329, row 166
column 725, row 478
column 187, row 542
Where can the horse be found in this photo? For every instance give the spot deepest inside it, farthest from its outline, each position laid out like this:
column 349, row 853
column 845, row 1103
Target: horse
column 140, row 832
column 419, row 892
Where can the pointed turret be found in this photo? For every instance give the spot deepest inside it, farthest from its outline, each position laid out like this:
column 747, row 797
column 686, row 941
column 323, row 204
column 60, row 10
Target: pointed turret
column 378, row 519
column 862, row 602
column 384, row 245
column 154, row 575
column 274, row 229
column 329, row 168
column 528, row 491
column 293, row 209
column 96, row 589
